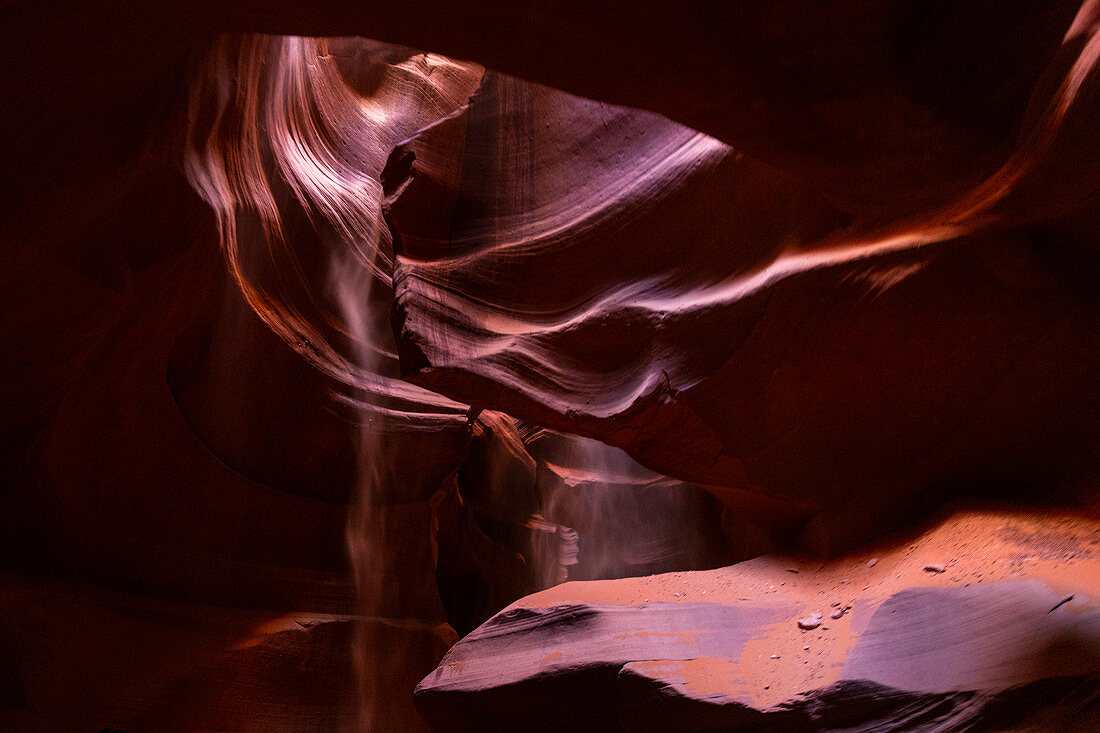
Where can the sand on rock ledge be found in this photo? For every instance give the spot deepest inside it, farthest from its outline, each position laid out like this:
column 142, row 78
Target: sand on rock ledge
column 1013, row 616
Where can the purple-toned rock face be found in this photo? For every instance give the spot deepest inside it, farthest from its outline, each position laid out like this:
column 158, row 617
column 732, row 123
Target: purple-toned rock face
column 320, row 351
column 985, row 643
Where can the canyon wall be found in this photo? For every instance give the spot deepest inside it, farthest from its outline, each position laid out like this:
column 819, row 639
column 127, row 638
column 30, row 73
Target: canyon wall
column 322, row 351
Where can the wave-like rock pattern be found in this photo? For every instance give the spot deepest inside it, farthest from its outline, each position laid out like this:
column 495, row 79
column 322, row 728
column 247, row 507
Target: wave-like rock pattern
column 841, row 269
column 730, row 323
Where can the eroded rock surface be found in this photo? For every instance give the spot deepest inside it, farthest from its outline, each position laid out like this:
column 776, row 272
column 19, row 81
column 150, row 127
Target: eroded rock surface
column 1010, row 636
column 821, row 270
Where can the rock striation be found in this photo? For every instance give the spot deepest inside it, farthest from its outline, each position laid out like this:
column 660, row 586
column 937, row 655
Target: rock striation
column 320, row 349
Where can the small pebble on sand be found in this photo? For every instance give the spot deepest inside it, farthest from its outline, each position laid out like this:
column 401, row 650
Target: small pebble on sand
column 810, row 622
column 935, row 568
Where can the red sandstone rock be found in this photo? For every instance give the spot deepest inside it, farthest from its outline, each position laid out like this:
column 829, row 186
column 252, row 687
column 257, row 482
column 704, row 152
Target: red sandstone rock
column 835, row 344
column 634, row 655
column 877, row 291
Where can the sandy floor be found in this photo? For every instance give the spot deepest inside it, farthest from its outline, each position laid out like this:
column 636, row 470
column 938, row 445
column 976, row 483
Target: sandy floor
column 972, row 546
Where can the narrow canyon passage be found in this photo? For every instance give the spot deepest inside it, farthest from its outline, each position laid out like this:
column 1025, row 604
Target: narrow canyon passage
column 550, row 367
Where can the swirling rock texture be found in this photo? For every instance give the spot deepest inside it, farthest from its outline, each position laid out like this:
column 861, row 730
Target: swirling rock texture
column 321, row 351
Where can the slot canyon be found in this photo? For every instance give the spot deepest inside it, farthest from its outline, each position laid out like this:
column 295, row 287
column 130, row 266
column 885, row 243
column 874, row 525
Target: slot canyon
column 550, row 366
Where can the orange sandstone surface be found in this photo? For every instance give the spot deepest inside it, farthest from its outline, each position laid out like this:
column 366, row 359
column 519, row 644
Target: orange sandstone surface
column 783, row 660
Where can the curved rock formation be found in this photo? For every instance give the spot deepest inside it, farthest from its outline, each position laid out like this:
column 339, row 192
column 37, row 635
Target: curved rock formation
column 319, row 349
column 750, row 335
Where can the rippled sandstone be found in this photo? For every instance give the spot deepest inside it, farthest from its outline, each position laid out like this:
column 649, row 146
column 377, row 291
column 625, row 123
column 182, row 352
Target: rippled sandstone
column 319, row 349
